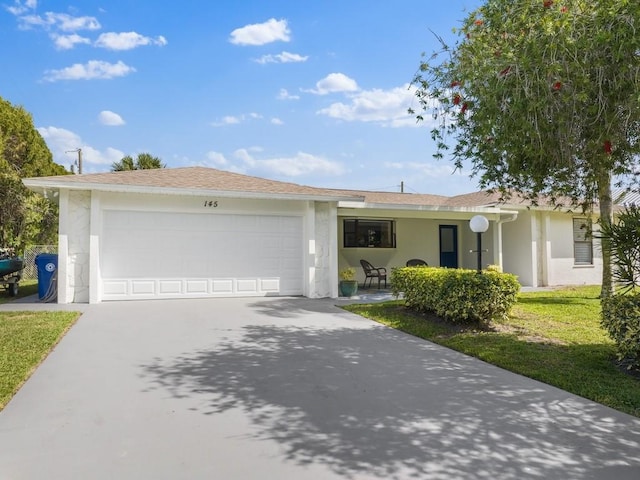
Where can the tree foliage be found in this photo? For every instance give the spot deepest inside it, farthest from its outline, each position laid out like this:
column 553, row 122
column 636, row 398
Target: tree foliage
column 624, row 241
column 541, row 97
column 144, row 161
column 25, row 217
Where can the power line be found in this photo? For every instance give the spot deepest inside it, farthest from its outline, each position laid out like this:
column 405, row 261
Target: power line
column 77, row 162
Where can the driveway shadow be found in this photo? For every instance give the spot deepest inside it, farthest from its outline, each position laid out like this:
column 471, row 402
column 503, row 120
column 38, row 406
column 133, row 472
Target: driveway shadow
column 372, row 401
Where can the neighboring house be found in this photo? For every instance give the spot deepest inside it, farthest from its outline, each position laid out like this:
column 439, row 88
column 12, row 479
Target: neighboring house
column 201, row 232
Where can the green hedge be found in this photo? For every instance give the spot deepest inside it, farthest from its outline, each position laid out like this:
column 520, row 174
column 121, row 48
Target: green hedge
column 621, row 318
column 457, row 295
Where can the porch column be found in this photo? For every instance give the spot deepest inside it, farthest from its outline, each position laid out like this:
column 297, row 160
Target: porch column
column 65, row 295
column 333, row 248
column 310, row 250
column 535, row 238
column 497, row 243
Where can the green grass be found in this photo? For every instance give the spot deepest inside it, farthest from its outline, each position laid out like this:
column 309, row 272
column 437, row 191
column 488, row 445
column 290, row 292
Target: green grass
column 26, row 338
column 552, row 336
column 26, row 288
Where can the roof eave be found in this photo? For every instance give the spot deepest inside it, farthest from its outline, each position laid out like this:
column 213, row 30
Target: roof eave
column 44, row 186
column 421, row 208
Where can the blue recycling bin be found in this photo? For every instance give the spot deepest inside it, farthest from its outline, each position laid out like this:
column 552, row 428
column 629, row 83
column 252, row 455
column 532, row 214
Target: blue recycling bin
column 47, row 265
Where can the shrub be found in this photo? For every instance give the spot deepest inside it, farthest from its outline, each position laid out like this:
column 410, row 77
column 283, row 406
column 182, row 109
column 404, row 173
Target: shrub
column 623, row 236
column 457, row 295
column 621, row 318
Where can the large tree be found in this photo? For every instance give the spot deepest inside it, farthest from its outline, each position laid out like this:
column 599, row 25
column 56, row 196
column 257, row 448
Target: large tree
column 25, row 218
column 144, row 161
column 541, row 97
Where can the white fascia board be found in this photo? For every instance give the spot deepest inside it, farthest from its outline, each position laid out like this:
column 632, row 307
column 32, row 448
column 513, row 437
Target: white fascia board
column 43, row 186
column 420, row 208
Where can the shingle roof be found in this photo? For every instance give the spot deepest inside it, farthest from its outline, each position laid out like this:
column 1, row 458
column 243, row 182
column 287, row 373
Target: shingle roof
column 191, row 178
column 475, row 199
column 211, row 179
column 396, row 198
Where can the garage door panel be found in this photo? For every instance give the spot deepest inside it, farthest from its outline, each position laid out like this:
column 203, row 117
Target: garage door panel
column 157, row 254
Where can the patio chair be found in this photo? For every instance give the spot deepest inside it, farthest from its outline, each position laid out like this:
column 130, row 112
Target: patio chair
column 371, row 272
column 417, row 262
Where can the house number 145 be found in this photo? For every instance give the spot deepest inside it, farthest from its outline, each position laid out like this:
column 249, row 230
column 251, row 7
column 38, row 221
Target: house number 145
column 211, row 203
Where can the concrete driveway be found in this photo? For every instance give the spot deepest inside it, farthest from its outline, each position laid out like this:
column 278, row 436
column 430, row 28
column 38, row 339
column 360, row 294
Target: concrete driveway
column 291, row 388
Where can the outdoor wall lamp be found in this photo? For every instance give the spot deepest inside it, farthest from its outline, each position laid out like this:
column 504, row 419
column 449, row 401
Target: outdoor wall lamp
column 479, row 224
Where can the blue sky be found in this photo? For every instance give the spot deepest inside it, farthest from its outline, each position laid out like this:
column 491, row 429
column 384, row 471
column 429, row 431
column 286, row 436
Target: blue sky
column 311, row 92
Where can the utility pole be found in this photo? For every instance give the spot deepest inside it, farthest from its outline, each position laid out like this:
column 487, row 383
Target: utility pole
column 79, row 162
column 401, row 186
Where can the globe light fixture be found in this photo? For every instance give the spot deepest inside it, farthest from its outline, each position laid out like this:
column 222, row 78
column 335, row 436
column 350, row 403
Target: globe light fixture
column 479, row 224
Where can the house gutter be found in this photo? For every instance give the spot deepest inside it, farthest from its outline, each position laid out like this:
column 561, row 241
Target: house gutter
column 489, row 210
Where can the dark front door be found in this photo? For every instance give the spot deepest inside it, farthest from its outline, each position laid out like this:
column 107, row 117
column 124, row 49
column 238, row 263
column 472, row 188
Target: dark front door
column 449, row 246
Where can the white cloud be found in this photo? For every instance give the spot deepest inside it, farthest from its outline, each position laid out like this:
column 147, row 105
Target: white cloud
column 127, row 40
column 67, row 42
column 59, row 21
column 300, row 164
column 335, row 82
column 234, row 120
column 62, row 22
column 387, row 107
column 18, row 7
column 283, row 94
column 93, row 69
column 284, row 57
column 423, row 169
column 64, row 144
column 217, row 159
column 261, row 33
column 246, row 158
column 228, row 120
column 276, row 121
column 109, row 118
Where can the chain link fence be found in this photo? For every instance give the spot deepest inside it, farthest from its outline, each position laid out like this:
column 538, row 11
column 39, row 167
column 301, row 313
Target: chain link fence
column 30, row 271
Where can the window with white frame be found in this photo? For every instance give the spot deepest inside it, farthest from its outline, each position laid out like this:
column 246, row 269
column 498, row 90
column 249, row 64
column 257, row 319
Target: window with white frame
column 582, row 242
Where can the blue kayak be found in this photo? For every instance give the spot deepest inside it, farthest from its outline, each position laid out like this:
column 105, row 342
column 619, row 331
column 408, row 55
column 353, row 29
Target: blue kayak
column 10, row 265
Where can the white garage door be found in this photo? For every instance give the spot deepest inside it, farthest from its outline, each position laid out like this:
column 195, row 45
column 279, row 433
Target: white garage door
column 175, row 255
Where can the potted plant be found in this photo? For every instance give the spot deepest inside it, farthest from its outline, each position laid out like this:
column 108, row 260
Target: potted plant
column 348, row 283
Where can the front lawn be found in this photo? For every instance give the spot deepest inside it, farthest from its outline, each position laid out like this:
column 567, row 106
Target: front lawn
column 552, row 336
column 26, row 338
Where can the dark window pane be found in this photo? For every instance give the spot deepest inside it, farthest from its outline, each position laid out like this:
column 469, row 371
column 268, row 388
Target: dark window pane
column 369, row 233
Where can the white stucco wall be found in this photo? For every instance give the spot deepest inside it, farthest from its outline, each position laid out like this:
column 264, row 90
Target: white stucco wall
column 562, row 269
column 518, row 248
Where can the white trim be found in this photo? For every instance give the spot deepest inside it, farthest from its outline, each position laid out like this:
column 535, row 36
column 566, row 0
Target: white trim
column 420, row 208
column 95, row 282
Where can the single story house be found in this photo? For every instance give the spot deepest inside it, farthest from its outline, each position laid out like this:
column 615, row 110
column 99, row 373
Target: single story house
column 201, row 232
